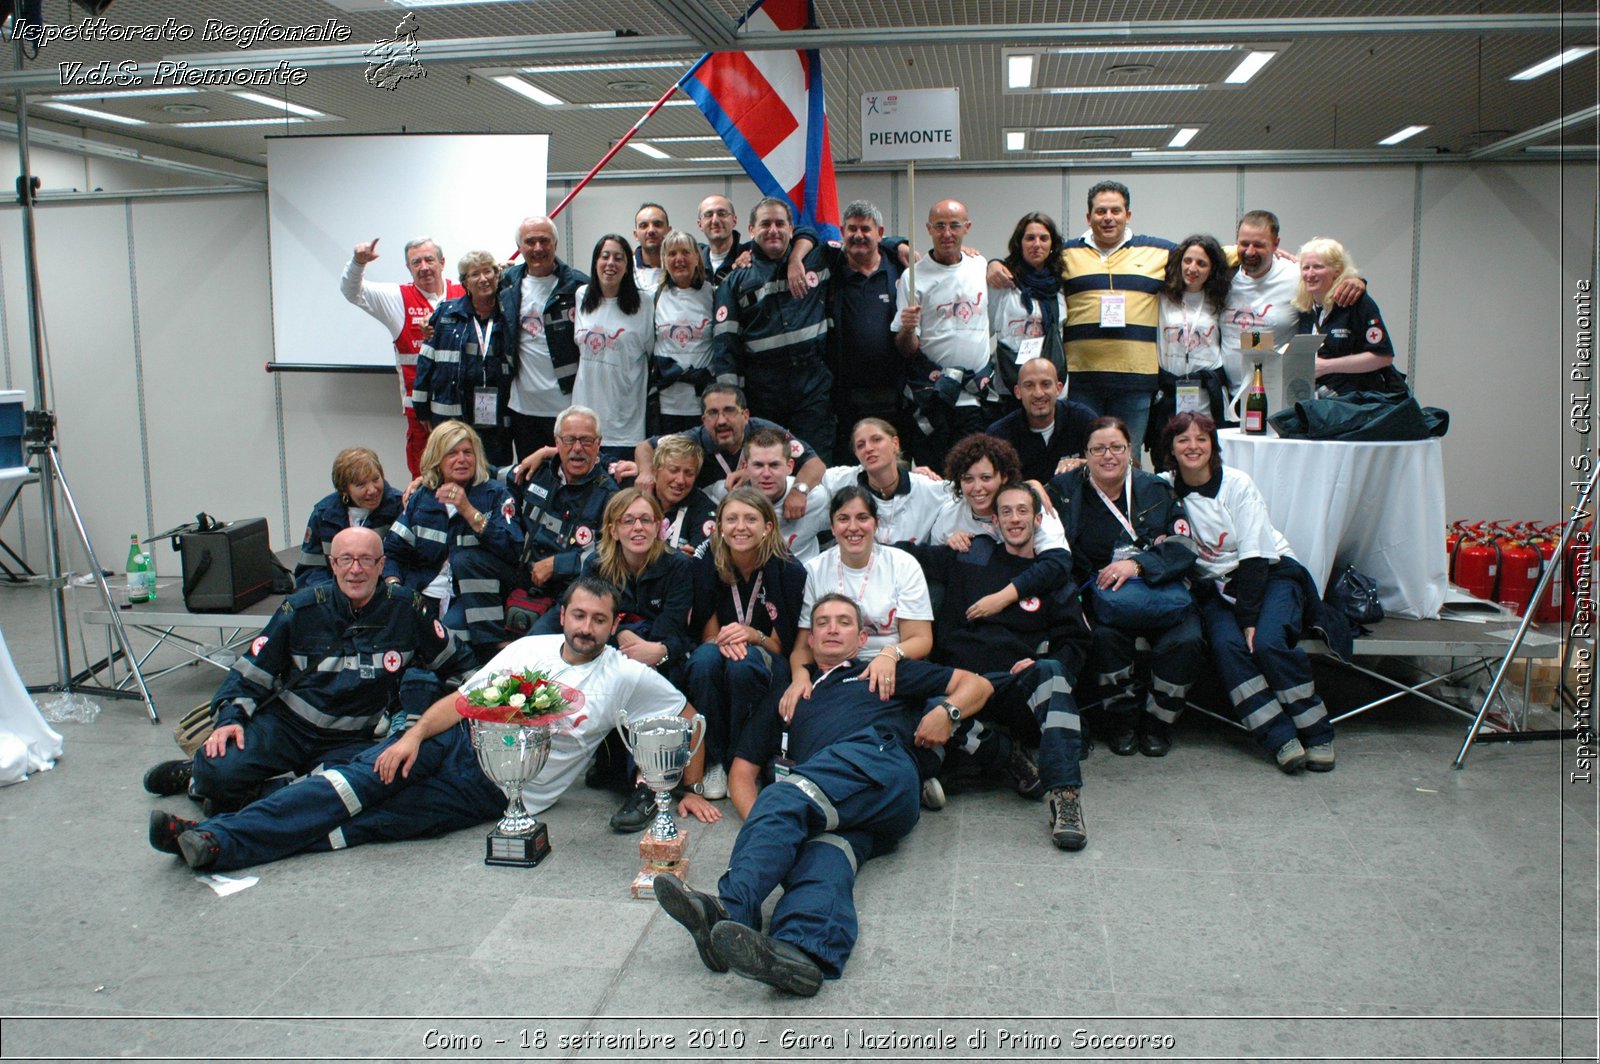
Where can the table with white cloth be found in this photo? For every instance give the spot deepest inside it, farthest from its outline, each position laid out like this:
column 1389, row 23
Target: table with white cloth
column 1376, row 506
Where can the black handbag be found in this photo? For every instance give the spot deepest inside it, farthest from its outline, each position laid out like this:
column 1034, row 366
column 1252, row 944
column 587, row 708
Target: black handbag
column 1354, row 594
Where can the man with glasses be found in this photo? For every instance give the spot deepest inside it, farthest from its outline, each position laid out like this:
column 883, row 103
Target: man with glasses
column 562, row 504
column 404, row 310
column 716, row 220
column 314, row 685
column 942, row 330
column 725, row 424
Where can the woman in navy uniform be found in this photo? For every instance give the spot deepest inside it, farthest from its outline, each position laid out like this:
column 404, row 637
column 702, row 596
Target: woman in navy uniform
column 459, row 539
column 361, row 498
column 1358, row 354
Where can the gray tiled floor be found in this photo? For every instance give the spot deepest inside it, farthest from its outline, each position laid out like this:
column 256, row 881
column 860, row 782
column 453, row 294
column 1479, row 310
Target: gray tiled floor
column 1395, row 908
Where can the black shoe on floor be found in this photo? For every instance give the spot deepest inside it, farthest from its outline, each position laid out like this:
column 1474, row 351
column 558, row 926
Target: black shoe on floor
column 1153, row 745
column 1085, row 745
column 767, row 959
column 165, row 829
column 1023, row 774
column 169, row 778
column 695, row 910
column 636, row 812
column 1123, row 742
column 198, row 849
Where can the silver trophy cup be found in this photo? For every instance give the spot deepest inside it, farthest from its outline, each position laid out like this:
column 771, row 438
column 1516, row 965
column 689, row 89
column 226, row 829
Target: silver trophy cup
column 663, row 747
column 512, row 755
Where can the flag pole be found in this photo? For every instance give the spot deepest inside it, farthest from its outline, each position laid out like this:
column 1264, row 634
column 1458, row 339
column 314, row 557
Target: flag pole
column 619, row 145
column 911, row 221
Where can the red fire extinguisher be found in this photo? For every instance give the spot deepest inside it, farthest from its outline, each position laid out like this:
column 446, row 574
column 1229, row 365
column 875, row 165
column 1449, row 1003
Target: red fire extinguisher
column 1452, row 537
column 1477, row 562
column 1519, row 569
column 1549, row 606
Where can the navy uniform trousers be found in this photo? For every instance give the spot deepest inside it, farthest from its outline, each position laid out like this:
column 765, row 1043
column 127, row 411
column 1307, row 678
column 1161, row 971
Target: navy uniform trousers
column 1271, row 689
column 348, row 805
column 809, row 832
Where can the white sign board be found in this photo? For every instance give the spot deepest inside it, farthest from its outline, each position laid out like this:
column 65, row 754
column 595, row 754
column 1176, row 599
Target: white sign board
column 911, row 124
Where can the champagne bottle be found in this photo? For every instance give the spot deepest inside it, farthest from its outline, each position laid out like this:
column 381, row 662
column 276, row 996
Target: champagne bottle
column 1255, row 406
column 141, row 578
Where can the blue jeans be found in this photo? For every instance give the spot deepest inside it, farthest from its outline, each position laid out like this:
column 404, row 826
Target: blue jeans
column 1131, row 407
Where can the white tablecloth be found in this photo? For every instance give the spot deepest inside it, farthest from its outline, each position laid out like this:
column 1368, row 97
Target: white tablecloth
column 27, row 743
column 1377, row 506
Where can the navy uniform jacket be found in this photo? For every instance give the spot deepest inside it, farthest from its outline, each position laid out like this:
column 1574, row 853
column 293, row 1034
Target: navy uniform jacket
column 763, row 331
column 562, row 517
column 777, row 604
column 338, row 669
column 329, row 517
column 1351, row 330
column 1050, row 623
column 691, row 522
column 558, row 312
column 450, row 365
column 1039, row 459
column 1156, row 513
column 655, row 604
column 422, row 540
column 842, row 708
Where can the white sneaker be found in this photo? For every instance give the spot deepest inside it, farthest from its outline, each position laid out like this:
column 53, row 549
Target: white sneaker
column 932, row 793
column 713, row 786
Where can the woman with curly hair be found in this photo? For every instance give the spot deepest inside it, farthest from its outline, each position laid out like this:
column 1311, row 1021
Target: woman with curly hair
column 1191, row 373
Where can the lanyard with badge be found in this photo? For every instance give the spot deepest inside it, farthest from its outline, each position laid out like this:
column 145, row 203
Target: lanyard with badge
column 485, row 400
column 783, row 764
column 1113, row 304
column 741, row 612
column 1189, row 395
column 1127, row 550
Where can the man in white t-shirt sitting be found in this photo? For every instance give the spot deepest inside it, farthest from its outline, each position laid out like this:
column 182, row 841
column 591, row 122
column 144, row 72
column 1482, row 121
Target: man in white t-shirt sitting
column 426, row 781
column 946, row 322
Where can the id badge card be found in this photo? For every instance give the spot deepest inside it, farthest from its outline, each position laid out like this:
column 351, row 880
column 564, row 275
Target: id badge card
column 1113, row 310
column 781, row 767
column 1031, row 348
column 1192, row 398
column 485, row 406
column 367, row 670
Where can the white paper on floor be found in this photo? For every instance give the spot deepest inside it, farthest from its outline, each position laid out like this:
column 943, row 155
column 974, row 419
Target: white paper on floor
column 225, row 885
column 32, row 745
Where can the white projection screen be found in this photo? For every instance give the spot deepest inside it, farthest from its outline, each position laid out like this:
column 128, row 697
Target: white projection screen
column 327, row 194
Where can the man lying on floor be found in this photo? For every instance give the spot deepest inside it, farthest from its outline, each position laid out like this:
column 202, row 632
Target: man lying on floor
column 846, row 788
column 426, row 781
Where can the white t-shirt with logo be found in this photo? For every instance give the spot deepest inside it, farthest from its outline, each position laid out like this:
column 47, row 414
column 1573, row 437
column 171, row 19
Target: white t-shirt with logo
column 1191, row 338
column 613, row 366
column 1265, row 305
column 683, row 334
column 535, row 391
column 615, row 689
column 906, row 518
column 954, row 330
column 892, row 588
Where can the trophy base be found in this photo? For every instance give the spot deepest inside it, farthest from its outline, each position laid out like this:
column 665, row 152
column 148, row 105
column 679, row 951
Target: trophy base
column 518, row 851
column 662, row 857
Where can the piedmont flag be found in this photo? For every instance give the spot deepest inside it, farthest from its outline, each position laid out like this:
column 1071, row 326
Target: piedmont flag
column 768, row 108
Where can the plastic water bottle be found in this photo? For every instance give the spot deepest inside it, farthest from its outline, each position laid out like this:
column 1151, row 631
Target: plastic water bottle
column 141, row 572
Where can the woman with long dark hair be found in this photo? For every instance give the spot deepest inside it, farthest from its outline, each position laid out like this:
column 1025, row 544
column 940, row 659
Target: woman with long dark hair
column 1193, row 296
column 615, row 330
column 1026, row 320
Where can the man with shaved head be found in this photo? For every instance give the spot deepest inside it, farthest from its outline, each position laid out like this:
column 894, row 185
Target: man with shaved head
column 314, row 685
column 539, row 296
column 942, row 329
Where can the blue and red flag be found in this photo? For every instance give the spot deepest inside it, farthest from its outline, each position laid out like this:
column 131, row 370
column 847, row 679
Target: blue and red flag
column 768, row 108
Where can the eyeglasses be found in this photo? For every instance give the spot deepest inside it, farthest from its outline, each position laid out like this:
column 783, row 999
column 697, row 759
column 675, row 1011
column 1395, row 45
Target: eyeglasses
column 345, row 561
column 949, row 227
column 1101, row 450
column 633, row 520
column 716, row 214
column 577, row 441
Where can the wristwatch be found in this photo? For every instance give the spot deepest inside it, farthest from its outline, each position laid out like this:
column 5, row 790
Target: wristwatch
column 952, row 711
column 802, row 488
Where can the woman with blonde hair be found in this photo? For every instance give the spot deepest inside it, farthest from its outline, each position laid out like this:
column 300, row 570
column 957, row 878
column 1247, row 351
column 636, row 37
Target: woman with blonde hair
column 683, row 332
column 459, row 538
column 361, row 498
column 1358, row 354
